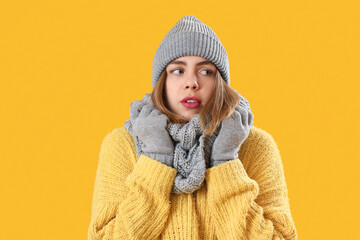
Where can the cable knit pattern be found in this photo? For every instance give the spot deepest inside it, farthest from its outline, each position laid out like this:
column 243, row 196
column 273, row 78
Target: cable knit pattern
column 191, row 155
column 245, row 198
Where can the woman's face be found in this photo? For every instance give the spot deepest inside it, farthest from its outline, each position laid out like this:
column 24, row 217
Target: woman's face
column 189, row 76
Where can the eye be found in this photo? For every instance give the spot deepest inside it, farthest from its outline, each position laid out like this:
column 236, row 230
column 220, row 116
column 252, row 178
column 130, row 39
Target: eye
column 175, row 71
column 209, row 71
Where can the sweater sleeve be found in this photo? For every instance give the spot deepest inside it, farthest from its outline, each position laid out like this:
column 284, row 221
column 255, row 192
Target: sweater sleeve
column 131, row 198
column 255, row 207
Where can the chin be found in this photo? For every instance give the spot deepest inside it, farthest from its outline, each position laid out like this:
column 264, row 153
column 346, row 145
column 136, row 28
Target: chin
column 188, row 117
column 187, row 114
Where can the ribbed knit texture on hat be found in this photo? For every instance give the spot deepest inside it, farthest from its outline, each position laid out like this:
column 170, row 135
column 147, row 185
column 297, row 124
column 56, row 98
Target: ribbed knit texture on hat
column 190, row 36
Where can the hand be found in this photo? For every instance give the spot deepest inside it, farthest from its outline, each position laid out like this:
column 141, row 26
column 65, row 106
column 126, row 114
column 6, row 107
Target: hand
column 234, row 130
column 150, row 126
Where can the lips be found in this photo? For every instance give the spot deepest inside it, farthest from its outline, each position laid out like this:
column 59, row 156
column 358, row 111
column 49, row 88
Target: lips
column 190, row 98
column 194, row 102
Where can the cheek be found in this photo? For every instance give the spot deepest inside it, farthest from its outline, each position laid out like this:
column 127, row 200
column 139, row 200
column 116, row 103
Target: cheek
column 210, row 91
column 169, row 92
column 170, row 88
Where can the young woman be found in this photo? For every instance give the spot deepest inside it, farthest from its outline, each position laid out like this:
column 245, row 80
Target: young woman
column 189, row 163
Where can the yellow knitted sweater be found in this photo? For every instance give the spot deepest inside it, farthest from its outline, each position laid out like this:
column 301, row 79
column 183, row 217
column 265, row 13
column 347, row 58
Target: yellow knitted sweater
column 244, row 198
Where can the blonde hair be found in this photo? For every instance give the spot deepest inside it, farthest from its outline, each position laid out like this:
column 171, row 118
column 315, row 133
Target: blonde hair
column 220, row 106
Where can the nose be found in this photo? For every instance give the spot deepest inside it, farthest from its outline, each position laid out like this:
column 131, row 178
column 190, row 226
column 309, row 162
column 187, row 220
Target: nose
column 192, row 83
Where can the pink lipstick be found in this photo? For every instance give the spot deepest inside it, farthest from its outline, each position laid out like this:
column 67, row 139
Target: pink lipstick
column 191, row 102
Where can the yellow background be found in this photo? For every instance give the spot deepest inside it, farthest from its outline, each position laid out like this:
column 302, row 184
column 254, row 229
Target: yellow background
column 70, row 69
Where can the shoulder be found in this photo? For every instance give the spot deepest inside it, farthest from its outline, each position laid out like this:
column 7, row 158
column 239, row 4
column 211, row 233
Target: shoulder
column 259, row 139
column 118, row 141
column 259, row 150
column 118, row 135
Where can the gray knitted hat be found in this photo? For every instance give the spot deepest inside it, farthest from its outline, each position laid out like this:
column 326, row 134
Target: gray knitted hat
column 190, row 36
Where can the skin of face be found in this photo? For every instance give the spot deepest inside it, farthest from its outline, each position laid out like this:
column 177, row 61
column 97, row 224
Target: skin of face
column 189, row 76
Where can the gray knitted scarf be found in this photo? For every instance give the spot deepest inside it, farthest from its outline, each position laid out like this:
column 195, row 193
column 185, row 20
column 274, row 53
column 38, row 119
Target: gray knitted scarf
column 192, row 151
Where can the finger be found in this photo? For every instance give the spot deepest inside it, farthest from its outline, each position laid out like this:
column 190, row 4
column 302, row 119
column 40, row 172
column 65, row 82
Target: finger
column 145, row 111
column 160, row 117
column 237, row 108
column 220, row 128
column 245, row 104
column 242, row 102
column 137, row 104
column 228, row 124
column 155, row 112
column 251, row 119
column 135, row 109
column 244, row 116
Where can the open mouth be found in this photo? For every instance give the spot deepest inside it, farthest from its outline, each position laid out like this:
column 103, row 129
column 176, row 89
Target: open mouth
column 190, row 104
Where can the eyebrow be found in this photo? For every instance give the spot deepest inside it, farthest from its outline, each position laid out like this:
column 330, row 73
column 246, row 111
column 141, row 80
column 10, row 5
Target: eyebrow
column 184, row 63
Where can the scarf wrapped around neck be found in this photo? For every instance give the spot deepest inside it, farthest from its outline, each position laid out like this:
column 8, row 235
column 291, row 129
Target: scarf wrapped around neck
column 192, row 148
